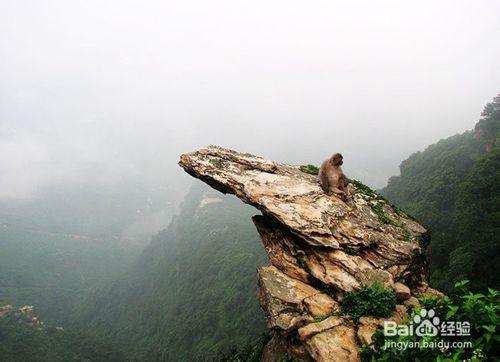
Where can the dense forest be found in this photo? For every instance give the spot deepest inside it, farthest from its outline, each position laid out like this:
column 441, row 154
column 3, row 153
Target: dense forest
column 55, row 271
column 23, row 342
column 192, row 293
column 58, row 247
column 453, row 187
column 63, row 242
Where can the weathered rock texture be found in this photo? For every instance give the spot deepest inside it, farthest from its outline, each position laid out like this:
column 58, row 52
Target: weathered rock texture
column 320, row 247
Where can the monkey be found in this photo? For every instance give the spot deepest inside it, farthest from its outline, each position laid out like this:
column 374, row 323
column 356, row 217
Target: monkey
column 332, row 178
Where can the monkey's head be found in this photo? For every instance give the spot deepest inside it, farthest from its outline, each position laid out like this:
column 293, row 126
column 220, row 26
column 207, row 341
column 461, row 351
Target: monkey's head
column 337, row 159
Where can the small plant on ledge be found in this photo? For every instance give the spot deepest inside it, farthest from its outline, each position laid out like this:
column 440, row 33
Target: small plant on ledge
column 374, row 300
column 310, row 169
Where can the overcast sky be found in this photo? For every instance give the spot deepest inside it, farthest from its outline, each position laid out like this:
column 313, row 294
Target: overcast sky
column 105, row 90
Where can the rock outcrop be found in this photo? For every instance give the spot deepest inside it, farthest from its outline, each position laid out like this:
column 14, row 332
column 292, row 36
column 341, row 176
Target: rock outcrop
column 26, row 315
column 320, row 248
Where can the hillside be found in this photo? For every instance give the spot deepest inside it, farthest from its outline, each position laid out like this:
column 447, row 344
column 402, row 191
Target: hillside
column 453, row 187
column 65, row 240
column 53, row 271
column 23, row 337
column 192, row 293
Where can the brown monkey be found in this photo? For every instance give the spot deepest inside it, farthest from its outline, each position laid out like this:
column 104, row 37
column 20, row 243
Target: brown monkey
column 331, row 176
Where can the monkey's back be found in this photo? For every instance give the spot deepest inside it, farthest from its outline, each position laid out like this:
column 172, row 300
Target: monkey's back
column 323, row 176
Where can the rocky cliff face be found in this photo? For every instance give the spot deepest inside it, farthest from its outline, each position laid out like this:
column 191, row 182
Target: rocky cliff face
column 320, row 248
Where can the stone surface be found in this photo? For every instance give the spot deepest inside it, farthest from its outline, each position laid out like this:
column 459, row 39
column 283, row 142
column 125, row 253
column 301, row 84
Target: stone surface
column 275, row 348
column 320, row 247
column 282, row 298
column 295, row 199
column 368, row 325
column 337, row 268
column 280, row 346
column 411, row 302
column 423, row 290
column 402, row 292
column 321, row 305
column 312, row 329
column 334, row 344
column 366, row 329
column 400, row 314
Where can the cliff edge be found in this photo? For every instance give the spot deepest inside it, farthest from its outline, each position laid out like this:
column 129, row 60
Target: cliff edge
column 320, row 248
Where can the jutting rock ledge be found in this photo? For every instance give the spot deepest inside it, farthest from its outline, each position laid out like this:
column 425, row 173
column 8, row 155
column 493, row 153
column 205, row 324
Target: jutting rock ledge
column 320, row 247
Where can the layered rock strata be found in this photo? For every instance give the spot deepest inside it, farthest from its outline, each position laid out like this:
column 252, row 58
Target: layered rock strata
column 320, row 248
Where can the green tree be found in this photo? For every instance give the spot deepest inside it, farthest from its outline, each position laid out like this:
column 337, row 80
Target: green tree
column 453, row 188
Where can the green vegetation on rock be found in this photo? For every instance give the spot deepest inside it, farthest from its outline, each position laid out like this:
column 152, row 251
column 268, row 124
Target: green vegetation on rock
column 303, row 264
column 374, row 300
column 361, row 188
column 310, row 169
column 375, row 201
column 481, row 310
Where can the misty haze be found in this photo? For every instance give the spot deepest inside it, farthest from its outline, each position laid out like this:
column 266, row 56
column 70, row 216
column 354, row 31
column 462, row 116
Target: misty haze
column 110, row 243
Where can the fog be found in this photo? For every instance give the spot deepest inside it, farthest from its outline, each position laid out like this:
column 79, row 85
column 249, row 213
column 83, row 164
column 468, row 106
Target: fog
column 107, row 91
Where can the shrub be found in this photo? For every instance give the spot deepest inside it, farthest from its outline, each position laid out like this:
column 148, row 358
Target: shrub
column 482, row 311
column 374, row 300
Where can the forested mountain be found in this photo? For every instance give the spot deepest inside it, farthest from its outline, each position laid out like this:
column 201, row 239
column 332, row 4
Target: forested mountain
column 454, row 188
column 65, row 240
column 54, row 271
column 24, row 338
column 192, row 293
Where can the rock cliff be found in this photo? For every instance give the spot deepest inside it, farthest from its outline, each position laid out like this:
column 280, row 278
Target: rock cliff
column 320, row 248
